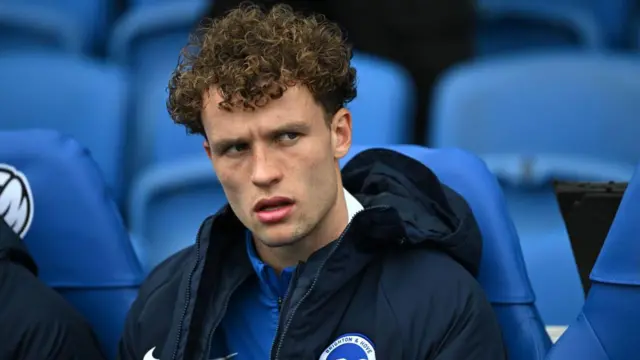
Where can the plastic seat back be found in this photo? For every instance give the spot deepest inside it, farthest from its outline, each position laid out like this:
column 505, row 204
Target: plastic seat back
column 607, row 328
column 71, row 95
column 76, row 235
column 534, row 26
column 88, row 19
column 535, row 104
column 26, row 28
column 168, row 204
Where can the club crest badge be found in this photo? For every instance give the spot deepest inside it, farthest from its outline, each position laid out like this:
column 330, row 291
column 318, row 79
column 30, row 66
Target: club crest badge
column 16, row 200
column 350, row 347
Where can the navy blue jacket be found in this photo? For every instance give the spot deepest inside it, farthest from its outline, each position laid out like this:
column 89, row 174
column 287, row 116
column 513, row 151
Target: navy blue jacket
column 401, row 275
column 35, row 321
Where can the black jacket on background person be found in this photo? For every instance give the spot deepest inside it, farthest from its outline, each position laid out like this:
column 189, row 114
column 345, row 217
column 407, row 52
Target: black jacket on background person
column 425, row 36
column 402, row 274
column 36, row 323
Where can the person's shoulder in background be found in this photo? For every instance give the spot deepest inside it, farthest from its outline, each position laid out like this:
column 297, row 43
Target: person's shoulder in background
column 37, row 322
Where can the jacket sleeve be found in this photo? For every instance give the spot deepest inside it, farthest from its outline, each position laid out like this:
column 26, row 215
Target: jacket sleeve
column 60, row 339
column 158, row 292
column 475, row 334
column 37, row 323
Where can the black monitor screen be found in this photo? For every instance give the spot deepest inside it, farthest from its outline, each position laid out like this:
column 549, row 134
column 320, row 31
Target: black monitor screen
column 588, row 209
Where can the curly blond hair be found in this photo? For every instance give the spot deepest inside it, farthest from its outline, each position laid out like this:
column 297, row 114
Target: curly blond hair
column 252, row 56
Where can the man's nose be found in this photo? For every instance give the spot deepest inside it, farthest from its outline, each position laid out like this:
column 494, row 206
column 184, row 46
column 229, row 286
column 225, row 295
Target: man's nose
column 266, row 171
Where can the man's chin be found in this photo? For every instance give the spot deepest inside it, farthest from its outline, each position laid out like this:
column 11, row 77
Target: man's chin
column 275, row 238
column 278, row 242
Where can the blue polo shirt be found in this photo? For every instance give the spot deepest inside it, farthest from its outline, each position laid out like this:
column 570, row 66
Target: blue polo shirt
column 252, row 316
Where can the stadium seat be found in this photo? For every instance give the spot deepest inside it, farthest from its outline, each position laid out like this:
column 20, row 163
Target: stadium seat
column 148, row 40
column 543, row 103
column 383, row 110
column 511, row 27
column 611, row 16
column 26, row 28
column 522, row 112
column 502, row 272
column 72, row 95
column 607, row 327
column 88, row 18
column 614, row 17
column 77, row 236
column 528, row 187
column 169, row 202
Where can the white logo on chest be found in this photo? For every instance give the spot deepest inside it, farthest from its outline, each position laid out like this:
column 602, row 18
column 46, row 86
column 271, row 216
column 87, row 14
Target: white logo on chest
column 350, row 347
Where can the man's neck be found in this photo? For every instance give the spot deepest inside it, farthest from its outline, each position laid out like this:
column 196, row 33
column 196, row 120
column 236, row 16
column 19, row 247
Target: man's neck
column 334, row 224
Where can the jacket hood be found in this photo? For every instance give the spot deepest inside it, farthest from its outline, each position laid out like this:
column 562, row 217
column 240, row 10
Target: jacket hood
column 12, row 248
column 432, row 214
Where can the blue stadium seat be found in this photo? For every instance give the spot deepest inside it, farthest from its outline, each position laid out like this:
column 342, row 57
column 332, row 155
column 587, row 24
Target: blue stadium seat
column 607, row 327
column 614, row 17
column 523, row 113
column 383, row 110
column 527, row 184
column 26, row 28
column 89, row 19
column 77, row 236
column 611, row 16
column 148, row 40
column 77, row 97
column 544, row 103
column 535, row 26
column 168, row 202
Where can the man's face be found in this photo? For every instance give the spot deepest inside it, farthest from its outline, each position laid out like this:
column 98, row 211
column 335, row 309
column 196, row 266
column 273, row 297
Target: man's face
column 278, row 164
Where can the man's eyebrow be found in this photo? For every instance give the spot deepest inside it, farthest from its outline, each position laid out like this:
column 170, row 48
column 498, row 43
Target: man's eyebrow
column 219, row 146
column 293, row 126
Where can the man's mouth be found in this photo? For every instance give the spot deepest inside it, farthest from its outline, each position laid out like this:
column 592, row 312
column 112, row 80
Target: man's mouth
column 272, row 204
column 273, row 210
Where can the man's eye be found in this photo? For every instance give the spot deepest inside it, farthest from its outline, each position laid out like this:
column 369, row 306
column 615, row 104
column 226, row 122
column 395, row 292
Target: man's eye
column 236, row 148
column 288, row 137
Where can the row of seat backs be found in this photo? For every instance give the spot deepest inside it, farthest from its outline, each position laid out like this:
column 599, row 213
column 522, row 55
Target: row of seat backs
column 74, row 230
column 607, row 327
column 80, row 26
column 474, row 106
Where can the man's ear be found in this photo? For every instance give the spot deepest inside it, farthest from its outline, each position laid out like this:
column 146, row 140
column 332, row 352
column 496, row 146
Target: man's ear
column 207, row 148
column 341, row 133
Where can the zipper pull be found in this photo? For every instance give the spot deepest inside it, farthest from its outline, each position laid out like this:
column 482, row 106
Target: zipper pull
column 279, row 304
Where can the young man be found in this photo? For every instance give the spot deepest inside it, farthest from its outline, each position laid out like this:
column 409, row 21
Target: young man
column 306, row 262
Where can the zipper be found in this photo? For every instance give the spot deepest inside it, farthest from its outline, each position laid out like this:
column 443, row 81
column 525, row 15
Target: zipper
column 187, row 294
column 290, row 289
column 315, row 280
column 219, row 319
